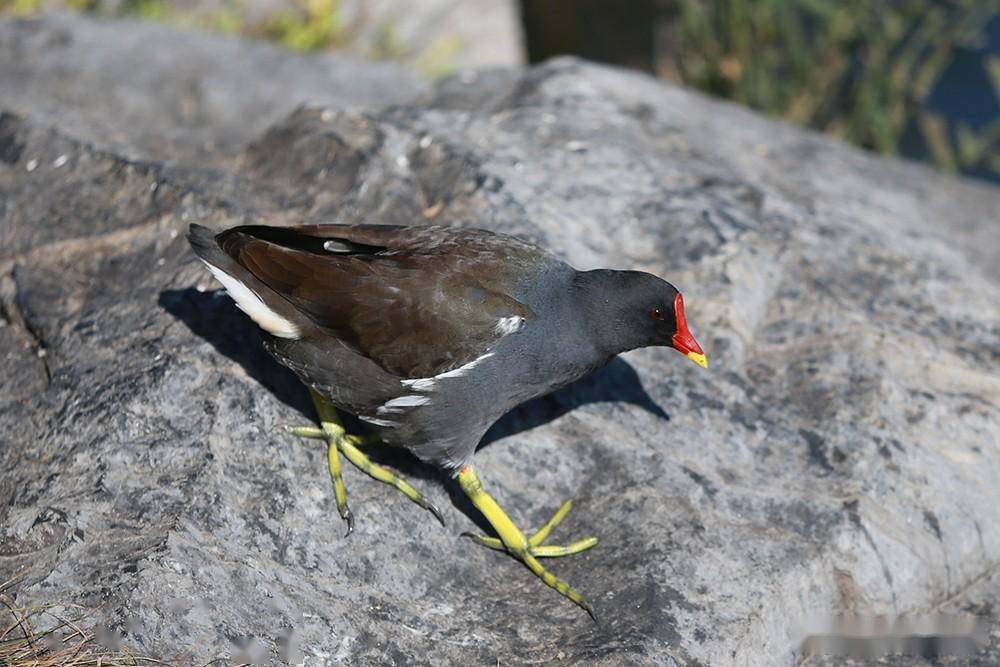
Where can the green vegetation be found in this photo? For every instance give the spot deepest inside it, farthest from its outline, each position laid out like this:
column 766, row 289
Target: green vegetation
column 861, row 70
column 309, row 26
column 20, row 7
column 304, row 25
column 301, row 25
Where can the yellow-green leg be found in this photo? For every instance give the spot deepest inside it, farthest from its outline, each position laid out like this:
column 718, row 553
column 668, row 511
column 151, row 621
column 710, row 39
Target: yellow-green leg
column 340, row 442
column 339, row 490
column 514, row 542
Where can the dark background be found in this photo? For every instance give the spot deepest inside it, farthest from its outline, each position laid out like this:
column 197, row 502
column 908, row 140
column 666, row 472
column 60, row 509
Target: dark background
column 919, row 79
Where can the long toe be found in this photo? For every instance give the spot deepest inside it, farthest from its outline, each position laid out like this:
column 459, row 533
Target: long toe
column 554, row 551
column 538, row 550
column 558, row 584
column 306, row 432
column 542, row 533
column 535, row 546
column 386, row 476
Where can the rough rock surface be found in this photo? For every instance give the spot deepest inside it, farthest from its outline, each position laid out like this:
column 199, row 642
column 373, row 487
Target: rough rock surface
column 841, row 454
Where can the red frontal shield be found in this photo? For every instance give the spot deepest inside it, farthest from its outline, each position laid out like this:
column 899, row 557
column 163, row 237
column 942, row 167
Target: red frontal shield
column 683, row 341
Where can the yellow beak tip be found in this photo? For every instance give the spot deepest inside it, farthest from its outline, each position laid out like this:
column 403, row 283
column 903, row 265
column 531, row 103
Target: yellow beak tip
column 699, row 359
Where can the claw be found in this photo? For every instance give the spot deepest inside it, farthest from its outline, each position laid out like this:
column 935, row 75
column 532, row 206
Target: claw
column 589, row 608
column 432, row 508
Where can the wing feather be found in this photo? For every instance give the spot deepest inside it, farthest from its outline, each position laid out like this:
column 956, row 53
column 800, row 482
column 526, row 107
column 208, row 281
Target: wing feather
column 413, row 300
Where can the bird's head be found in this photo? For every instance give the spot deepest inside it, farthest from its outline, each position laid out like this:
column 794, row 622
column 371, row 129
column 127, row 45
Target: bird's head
column 670, row 324
column 636, row 309
column 659, row 310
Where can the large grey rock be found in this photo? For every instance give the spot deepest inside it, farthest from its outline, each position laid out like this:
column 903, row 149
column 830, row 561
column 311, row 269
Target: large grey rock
column 841, row 454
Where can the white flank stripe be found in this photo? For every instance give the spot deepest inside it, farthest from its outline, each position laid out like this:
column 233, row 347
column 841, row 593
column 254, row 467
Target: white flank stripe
column 379, row 422
column 252, row 305
column 462, row 370
column 420, row 384
column 401, row 403
column 509, row 325
column 426, row 384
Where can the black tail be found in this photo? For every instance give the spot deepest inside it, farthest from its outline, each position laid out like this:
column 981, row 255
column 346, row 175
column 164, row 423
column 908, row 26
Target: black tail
column 267, row 308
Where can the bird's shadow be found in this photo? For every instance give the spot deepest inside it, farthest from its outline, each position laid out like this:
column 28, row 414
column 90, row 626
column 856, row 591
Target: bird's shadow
column 213, row 317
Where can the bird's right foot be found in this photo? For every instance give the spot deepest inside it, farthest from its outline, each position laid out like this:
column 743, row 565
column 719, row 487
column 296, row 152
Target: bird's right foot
column 535, row 546
column 513, row 541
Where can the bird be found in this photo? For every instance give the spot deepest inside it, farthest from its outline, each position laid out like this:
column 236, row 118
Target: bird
column 428, row 334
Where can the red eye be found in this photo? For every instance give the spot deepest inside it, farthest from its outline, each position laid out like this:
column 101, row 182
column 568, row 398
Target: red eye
column 656, row 314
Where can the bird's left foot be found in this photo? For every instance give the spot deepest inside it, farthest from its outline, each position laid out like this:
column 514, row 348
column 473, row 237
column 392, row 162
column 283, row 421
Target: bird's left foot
column 535, row 546
column 340, row 442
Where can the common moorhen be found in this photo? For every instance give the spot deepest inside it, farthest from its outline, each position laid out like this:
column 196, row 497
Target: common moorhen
column 430, row 334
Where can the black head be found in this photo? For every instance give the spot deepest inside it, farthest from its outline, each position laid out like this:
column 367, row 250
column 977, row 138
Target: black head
column 632, row 309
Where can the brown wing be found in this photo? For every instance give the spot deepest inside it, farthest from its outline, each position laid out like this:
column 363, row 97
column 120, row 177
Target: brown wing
column 414, row 300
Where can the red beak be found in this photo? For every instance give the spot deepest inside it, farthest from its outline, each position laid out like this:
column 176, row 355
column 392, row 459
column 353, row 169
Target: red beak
column 683, row 341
